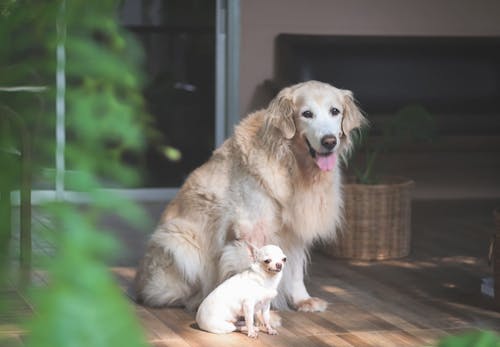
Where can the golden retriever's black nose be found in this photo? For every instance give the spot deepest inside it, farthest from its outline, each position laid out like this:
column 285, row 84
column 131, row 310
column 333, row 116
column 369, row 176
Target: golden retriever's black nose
column 329, row 142
column 279, row 266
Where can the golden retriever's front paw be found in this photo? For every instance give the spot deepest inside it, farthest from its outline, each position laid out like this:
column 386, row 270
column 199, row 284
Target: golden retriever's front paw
column 311, row 305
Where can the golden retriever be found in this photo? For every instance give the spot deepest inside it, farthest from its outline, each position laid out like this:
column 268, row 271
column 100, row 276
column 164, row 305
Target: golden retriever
column 277, row 180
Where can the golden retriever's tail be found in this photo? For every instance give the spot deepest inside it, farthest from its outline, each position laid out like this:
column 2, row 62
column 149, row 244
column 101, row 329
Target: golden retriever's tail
column 180, row 241
column 235, row 258
column 170, row 272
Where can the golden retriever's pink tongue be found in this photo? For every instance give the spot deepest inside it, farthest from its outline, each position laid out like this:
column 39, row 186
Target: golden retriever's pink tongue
column 326, row 163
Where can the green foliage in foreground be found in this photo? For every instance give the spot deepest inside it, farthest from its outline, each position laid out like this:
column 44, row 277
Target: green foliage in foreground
column 82, row 305
column 475, row 339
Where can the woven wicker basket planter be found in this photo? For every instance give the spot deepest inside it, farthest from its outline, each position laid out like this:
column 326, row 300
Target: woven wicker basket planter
column 377, row 221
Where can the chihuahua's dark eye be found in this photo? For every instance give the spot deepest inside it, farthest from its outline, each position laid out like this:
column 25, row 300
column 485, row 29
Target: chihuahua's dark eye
column 307, row 114
column 334, row 111
column 283, row 260
column 267, row 261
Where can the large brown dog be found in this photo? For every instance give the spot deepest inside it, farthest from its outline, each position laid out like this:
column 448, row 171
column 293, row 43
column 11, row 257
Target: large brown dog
column 277, row 180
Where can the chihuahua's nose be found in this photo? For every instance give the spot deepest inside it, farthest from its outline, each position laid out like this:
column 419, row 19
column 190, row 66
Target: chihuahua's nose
column 329, row 142
column 279, row 266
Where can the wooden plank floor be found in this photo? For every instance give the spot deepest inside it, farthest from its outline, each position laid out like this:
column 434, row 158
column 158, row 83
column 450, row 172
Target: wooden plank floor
column 407, row 302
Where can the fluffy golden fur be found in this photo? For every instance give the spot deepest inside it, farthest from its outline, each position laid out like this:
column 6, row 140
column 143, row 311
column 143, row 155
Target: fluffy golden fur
column 270, row 183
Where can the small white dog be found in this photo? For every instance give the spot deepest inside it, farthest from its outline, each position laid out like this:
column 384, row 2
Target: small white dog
column 244, row 295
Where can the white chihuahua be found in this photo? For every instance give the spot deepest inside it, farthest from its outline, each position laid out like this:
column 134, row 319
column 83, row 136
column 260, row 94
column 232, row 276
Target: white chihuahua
column 244, row 295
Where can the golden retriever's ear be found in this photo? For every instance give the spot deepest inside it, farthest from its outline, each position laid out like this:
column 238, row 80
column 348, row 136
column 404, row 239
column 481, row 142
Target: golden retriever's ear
column 353, row 117
column 280, row 113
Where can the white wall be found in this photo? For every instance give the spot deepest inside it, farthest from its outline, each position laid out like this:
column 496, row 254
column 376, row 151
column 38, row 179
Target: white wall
column 263, row 20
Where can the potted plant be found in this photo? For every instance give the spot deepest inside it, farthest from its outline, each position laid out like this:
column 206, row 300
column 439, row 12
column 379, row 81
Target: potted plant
column 494, row 256
column 378, row 208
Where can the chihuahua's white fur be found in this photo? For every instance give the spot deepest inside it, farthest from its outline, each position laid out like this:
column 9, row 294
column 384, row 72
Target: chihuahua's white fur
column 246, row 294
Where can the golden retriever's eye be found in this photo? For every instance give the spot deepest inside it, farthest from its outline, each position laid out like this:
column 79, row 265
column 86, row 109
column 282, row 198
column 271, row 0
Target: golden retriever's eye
column 267, row 261
column 283, row 260
column 307, row 114
column 334, row 111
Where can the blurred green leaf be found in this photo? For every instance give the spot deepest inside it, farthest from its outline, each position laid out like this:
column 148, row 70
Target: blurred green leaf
column 474, row 339
column 172, row 153
column 105, row 119
column 92, row 60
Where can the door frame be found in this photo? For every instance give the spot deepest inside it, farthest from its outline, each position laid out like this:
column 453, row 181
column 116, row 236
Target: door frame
column 227, row 74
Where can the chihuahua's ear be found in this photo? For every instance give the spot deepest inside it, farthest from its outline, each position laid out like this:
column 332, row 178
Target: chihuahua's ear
column 254, row 251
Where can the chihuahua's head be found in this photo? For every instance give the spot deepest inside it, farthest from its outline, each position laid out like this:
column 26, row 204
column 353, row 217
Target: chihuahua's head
column 270, row 258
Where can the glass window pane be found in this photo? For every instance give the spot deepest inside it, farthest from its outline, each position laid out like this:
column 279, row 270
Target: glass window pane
column 178, row 38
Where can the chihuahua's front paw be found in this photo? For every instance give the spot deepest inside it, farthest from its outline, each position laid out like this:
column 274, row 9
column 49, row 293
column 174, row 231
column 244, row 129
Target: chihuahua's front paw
column 311, row 305
column 272, row 331
column 254, row 333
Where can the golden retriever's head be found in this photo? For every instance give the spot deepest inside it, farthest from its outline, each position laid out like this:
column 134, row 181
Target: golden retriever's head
column 318, row 117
